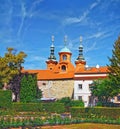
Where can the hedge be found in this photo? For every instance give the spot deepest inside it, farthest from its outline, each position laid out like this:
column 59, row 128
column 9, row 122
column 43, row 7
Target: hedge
column 35, row 107
column 99, row 112
column 54, row 107
column 5, row 99
column 24, row 107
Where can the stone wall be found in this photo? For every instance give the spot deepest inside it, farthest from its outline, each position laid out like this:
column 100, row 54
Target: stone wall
column 57, row 88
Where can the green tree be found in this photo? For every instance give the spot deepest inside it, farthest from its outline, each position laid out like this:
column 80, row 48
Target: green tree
column 114, row 67
column 39, row 93
column 28, row 90
column 102, row 90
column 10, row 65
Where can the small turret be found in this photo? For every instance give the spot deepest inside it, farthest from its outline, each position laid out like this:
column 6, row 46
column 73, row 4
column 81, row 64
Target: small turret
column 51, row 62
column 80, row 61
column 80, row 57
column 52, row 56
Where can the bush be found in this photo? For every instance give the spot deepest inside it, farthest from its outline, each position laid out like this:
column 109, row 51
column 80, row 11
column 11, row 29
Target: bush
column 77, row 103
column 53, row 107
column 70, row 103
column 5, row 99
column 66, row 101
column 36, row 107
column 105, row 112
column 21, row 107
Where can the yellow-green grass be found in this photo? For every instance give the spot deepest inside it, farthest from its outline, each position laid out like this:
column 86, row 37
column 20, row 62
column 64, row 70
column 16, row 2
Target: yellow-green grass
column 83, row 126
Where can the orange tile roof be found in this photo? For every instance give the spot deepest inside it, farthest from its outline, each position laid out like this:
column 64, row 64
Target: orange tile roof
column 91, row 70
column 49, row 75
column 52, row 75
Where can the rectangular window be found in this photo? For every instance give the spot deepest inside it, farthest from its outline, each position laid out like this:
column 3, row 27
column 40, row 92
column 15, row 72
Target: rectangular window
column 90, row 87
column 79, row 86
column 79, row 97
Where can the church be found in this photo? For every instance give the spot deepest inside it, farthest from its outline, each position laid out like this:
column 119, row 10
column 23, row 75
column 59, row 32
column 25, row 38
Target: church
column 63, row 79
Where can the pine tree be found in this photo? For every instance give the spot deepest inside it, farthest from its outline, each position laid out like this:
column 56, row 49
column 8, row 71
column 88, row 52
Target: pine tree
column 114, row 67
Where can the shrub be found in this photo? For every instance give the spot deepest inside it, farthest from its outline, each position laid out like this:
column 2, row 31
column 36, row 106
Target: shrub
column 77, row 103
column 5, row 99
column 35, row 107
column 27, row 107
column 53, row 107
column 66, row 101
column 105, row 112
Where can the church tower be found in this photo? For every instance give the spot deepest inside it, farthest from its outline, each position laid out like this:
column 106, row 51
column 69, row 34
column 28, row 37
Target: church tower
column 51, row 62
column 65, row 58
column 80, row 61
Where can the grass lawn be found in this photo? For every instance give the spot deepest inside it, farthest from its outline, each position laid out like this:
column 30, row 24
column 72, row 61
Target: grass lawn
column 83, row 126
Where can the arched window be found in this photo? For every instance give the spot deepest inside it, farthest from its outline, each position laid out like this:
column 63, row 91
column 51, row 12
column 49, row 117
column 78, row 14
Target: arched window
column 63, row 68
column 64, row 57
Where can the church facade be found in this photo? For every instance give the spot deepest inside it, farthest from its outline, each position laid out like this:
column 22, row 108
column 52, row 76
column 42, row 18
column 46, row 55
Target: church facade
column 63, row 79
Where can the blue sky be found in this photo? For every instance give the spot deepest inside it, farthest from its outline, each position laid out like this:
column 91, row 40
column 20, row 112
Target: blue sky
column 27, row 25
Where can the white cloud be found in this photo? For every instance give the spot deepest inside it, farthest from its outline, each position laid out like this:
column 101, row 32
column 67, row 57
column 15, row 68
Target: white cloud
column 83, row 17
column 23, row 13
column 93, row 5
column 96, row 35
column 71, row 20
column 33, row 10
column 91, row 48
column 100, row 34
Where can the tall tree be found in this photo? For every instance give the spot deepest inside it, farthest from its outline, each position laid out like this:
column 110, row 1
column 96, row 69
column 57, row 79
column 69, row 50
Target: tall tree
column 114, row 67
column 28, row 90
column 10, row 65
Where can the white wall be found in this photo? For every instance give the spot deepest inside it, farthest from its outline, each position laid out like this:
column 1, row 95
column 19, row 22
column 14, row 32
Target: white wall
column 84, row 92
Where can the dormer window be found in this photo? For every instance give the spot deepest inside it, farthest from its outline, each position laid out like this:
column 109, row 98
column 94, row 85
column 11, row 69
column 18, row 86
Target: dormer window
column 63, row 68
column 64, row 57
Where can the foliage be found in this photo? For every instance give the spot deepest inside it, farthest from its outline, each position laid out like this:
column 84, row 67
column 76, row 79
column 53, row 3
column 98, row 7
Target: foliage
column 114, row 67
column 10, row 65
column 26, row 107
column 39, row 93
column 102, row 89
column 77, row 103
column 53, row 107
column 69, row 103
column 43, row 107
column 96, row 112
column 5, row 99
column 66, row 101
column 28, row 90
column 1, row 86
